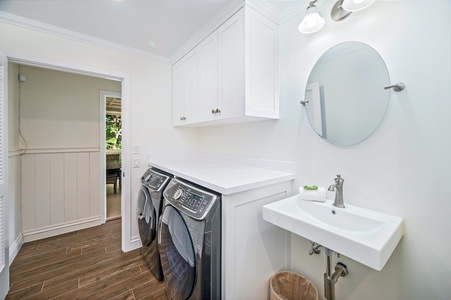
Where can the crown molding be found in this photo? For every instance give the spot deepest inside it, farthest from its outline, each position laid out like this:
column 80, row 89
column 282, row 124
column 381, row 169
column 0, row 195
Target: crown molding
column 213, row 24
column 208, row 28
column 58, row 31
column 265, row 9
column 260, row 6
column 293, row 11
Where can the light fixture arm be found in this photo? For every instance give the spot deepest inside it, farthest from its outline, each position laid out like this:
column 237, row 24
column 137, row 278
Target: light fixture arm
column 312, row 4
column 338, row 13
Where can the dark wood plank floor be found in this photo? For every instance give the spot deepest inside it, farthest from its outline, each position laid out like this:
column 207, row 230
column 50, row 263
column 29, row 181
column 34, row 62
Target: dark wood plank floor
column 86, row 264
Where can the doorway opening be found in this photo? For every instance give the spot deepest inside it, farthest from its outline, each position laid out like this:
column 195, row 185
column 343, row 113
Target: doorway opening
column 113, row 147
column 111, row 152
column 20, row 58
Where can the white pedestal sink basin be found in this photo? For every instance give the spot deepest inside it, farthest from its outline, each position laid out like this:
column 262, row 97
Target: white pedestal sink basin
column 366, row 236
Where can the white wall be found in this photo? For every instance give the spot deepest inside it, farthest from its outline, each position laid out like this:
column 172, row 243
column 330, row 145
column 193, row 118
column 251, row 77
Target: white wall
column 150, row 92
column 402, row 169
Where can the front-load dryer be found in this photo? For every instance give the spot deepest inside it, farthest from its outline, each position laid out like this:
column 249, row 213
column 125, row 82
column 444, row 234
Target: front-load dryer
column 148, row 210
column 189, row 240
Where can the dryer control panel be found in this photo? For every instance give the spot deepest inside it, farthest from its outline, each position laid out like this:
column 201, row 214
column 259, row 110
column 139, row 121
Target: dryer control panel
column 151, row 178
column 192, row 200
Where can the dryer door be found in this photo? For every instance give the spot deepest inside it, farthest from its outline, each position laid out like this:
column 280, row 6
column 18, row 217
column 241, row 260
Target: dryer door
column 177, row 254
column 145, row 214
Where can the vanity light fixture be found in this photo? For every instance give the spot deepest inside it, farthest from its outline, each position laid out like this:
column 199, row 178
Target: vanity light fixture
column 343, row 8
column 312, row 21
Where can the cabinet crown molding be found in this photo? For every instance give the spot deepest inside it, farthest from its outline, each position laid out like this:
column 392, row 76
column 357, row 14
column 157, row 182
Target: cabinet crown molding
column 220, row 19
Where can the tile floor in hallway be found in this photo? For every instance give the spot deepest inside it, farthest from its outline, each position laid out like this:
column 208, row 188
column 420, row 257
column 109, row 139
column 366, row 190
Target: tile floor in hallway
column 113, row 206
column 85, row 264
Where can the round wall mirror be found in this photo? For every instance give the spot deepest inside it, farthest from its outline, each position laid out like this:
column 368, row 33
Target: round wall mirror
column 345, row 93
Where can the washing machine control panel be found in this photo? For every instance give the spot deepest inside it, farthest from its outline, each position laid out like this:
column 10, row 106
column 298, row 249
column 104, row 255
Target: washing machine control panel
column 153, row 179
column 191, row 199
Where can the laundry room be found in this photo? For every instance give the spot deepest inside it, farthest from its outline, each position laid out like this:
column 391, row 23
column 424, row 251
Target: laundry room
column 219, row 134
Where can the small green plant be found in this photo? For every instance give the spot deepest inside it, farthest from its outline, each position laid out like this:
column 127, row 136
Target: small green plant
column 113, row 132
column 310, row 187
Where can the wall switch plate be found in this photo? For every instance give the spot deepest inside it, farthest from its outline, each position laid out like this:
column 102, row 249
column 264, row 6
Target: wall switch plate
column 135, row 148
column 136, row 163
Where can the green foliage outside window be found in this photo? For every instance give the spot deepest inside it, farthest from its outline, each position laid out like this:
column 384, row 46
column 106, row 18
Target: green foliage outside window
column 113, row 132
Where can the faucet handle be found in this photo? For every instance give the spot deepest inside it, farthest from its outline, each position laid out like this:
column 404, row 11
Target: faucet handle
column 339, row 181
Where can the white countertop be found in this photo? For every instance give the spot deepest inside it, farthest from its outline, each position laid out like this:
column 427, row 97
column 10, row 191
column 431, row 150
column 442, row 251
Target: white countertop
column 224, row 174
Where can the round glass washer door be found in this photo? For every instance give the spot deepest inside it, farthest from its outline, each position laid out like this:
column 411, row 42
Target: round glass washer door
column 177, row 254
column 146, row 216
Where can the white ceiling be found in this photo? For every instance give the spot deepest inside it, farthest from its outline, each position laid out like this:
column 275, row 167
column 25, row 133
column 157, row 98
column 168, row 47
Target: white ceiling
column 160, row 27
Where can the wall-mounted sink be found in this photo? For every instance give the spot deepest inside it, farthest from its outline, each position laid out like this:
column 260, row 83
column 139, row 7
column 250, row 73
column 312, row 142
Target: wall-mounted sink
column 366, row 236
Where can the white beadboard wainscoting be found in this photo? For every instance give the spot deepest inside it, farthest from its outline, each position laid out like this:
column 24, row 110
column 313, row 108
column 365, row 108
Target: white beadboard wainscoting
column 14, row 203
column 61, row 191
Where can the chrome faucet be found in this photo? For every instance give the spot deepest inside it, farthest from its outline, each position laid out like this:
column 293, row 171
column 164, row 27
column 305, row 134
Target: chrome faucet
column 338, row 188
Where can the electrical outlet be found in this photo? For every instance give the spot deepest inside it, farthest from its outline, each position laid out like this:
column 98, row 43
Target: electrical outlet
column 136, row 163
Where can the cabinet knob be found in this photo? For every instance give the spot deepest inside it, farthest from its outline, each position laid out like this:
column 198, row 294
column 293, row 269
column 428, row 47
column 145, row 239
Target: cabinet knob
column 213, row 111
column 182, row 118
column 218, row 111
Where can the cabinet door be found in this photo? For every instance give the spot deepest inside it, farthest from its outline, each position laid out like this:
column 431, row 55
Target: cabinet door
column 262, row 92
column 231, row 66
column 208, row 77
column 192, row 104
column 179, row 93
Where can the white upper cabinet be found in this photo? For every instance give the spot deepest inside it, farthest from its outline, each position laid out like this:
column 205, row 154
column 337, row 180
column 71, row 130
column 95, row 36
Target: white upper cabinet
column 231, row 76
column 208, row 77
column 179, row 93
column 231, row 67
column 195, row 83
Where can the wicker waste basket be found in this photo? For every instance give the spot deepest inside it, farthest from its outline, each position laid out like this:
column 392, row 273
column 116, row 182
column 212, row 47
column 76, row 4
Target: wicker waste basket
column 287, row 285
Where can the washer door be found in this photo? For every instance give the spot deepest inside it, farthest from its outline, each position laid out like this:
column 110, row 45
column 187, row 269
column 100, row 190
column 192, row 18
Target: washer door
column 146, row 216
column 177, row 254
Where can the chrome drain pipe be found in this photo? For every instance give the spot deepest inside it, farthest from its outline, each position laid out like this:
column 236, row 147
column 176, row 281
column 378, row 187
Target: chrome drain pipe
column 341, row 270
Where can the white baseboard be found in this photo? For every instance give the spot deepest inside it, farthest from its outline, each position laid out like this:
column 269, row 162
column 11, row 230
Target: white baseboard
column 135, row 243
column 15, row 247
column 49, row 231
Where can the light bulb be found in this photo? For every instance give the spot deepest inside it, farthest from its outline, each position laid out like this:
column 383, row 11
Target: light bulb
column 312, row 22
column 356, row 5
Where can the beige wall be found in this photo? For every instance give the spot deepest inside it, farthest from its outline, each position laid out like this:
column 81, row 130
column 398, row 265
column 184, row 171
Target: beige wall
column 60, row 123
column 13, row 107
column 60, row 109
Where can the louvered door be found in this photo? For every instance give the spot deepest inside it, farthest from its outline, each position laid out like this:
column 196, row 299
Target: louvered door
column 4, row 255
